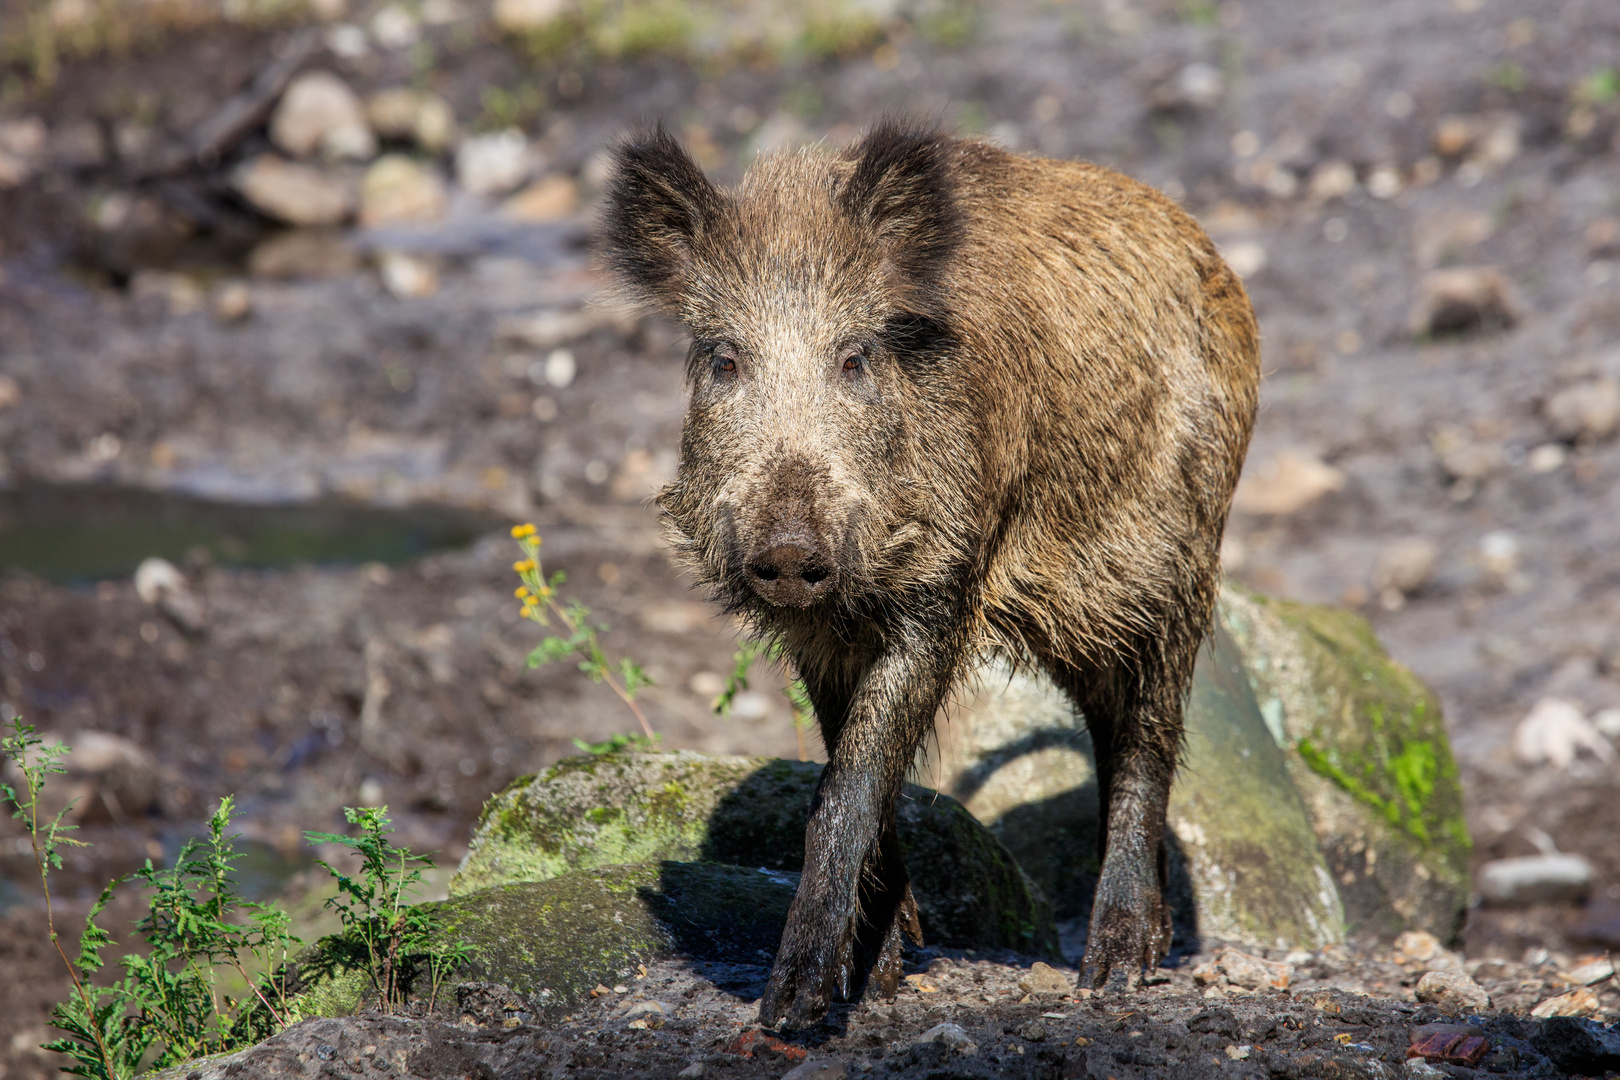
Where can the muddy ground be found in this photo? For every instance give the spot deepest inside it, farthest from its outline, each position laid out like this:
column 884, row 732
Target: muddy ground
column 1338, row 154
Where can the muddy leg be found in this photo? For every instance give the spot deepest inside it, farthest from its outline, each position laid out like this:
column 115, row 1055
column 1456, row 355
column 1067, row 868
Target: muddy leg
column 854, row 900
column 1136, row 738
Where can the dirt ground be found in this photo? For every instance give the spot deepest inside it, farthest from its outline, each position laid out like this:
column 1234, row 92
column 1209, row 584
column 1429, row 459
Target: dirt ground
column 1338, row 153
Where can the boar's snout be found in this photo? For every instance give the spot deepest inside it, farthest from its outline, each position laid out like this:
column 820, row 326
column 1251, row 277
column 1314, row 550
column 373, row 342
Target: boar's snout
column 790, row 569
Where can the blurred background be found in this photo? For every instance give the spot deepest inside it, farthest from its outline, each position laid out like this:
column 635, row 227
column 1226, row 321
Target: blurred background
column 298, row 299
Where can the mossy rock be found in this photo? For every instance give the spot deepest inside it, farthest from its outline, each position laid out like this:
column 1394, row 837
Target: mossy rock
column 1244, row 863
column 552, row 942
column 1317, row 797
column 1367, row 749
column 605, row 809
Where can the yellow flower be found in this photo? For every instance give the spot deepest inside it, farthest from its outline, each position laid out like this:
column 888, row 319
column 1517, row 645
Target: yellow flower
column 520, row 532
column 527, row 612
column 521, row 592
column 523, row 566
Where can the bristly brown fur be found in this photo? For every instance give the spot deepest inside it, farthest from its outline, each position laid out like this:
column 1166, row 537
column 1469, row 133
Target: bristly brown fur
column 948, row 400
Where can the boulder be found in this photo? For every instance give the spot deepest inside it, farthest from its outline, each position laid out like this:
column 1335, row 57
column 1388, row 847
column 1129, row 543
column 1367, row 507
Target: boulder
column 1318, row 794
column 1366, row 747
column 579, row 930
column 597, row 810
column 1245, row 863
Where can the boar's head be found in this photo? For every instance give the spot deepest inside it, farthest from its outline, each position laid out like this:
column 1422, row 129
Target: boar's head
column 820, row 420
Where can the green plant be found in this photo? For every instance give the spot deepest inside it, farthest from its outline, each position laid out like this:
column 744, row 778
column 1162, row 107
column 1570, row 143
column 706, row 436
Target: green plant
column 1599, row 87
column 540, row 605
column 197, row 926
column 804, row 713
column 395, row 937
column 37, row 761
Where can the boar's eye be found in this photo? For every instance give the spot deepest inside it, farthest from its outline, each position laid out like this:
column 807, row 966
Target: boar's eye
column 854, row 362
column 722, row 361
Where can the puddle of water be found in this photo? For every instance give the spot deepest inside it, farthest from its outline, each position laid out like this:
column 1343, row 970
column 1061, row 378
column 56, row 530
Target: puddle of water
column 71, row 533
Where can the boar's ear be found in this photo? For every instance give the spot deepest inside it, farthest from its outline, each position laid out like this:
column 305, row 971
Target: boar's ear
column 901, row 191
column 658, row 203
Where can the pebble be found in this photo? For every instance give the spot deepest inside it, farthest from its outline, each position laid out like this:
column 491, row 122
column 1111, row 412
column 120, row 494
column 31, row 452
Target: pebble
column 493, row 164
column 1452, row 991
column 10, row 392
column 1251, row 972
column 394, row 27
column 22, row 144
column 320, row 112
column 1196, row 86
column 1246, row 258
column 1404, row 567
column 552, row 198
column 521, row 16
column 159, row 583
column 232, row 302
column 1588, row 410
column 1595, row 972
column 303, row 254
column 1418, row 945
column 952, row 1035
column 816, row 1070
column 1464, row 299
column 1332, row 179
column 1535, row 879
column 293, row 193
column 1286, row 483
column 1578, row 1002
column 695, row 1071
column 405, row 114
column 1555, row 731
column 399, row 190
column 407, row 276
column 1044, row 979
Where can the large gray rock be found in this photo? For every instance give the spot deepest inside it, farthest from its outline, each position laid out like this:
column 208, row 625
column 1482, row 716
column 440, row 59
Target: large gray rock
column 1318, row 794
column 552, row 941
column 599, row 810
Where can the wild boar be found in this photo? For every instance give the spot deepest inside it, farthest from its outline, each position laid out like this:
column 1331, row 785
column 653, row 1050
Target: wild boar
column 947, row 401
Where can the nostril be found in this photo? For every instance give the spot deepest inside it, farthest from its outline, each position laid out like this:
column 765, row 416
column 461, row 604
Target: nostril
column 815, row 575
column 764, row 572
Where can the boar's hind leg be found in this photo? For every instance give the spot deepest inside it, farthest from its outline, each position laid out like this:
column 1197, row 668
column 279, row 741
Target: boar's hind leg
column 1136, row 734
column 854, row 900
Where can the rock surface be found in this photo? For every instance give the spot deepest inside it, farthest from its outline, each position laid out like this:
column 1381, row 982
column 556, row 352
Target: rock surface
column 1317, row 773
column 591, row 811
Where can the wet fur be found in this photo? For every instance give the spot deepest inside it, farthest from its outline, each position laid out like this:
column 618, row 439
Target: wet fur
column 1037, row 459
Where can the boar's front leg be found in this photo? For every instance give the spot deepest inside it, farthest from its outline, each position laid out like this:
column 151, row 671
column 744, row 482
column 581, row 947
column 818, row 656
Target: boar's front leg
column 854, row 900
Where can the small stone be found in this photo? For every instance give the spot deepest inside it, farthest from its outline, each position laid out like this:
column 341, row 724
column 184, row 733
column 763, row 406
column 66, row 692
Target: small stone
column 493, row 164
column 1536, row 879
column 646, row 1008
column 398, row 190
column 1578, row 1002
column 1556, row 731
column 1238, row 1053
column 303, row 255
column 1196, row 86
column 1418, row 945
column 1546, row 458
column 816, row 1070
column 1251, row 972
column 552, row 198
column 294, row 194
column 1464, row 299
column 10, row 392
column 320, row 112
column 1588, row 410
column 1452, row 991
column 1418, row 1069
column 1246, row 257
column 394, row 27
column 1043, row 979
column 1333, row 179
column 1034, row 1031
column 22, row 144
column 1286, row 483
column 233, row 301
column 694, row 1071
column 404, row 114
column 952, row 1035
column 522, row 16
column 1595, row 971
column 1208, row 974
column 1456, row 1044
column 407, row 276
column 159, row 583
column 1406, row 566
